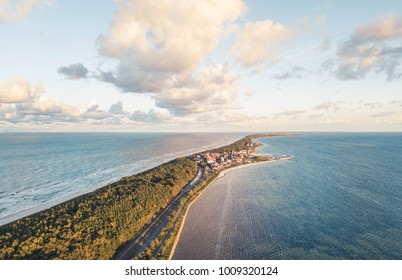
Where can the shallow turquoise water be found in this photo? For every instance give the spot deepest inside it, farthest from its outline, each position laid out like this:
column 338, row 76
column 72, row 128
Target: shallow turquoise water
column 340, row 198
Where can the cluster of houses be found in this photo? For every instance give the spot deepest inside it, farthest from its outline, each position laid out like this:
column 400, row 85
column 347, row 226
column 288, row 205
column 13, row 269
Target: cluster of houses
column 219, row 160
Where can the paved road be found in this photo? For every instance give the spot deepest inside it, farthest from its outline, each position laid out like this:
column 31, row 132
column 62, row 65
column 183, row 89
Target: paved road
column 131, row 248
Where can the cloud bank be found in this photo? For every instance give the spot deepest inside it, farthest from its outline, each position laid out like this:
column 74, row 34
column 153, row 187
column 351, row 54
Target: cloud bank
column 23, row 102
column 19, row 90
column 160, row 47
column 375, row 47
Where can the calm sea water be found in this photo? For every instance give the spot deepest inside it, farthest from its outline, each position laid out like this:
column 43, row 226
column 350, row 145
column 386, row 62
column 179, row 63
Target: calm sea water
column 340, row 198
column 41, row 169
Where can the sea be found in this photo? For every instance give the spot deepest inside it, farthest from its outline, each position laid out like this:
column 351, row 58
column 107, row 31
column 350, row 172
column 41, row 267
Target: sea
column 39, row 170
column 340, row 197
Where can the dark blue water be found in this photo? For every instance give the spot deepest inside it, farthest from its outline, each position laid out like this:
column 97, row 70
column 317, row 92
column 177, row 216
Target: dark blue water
column 340, row 198
column 41, row 169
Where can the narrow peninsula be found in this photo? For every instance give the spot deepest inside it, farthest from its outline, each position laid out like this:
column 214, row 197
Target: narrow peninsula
column 137, row 217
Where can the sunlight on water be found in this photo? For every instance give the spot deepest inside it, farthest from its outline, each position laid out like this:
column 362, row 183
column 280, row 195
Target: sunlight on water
column 340, row 198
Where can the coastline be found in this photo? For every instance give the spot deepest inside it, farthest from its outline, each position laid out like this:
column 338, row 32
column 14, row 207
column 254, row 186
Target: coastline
column 176, row 240
column 32, row 210
column 76, row 216
column 227, row 170
column 221, row 174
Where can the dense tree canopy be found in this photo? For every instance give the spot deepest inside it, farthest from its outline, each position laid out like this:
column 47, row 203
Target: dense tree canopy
column 94, row 225
column 97, row 224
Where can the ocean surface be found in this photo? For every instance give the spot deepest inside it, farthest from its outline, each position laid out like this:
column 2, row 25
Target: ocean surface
column 42, row 169
column 339, row 198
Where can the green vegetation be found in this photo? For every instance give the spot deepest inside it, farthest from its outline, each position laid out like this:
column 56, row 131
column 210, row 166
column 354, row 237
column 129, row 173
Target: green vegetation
column 164, row 241
column 236, row 146
column 160, row 241
column 162, row 245
column 246, row 142
column 96, row 225
column 99, row 224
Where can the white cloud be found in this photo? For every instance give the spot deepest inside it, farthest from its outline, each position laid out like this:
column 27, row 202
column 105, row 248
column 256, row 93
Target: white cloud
column 205, row 91
column 92, row 106
column 328, row 106
column 74, row 71
column 22, row 102
column 160, row 45
column 167, row 36
column 295, row 73
column 114, row 115
column 257, row 42
column 152, row 116
column 389, row 26
column 5, row 110
column 94, row 112
column 12, row 10
column 117, row 108
column 19, row 90
column 48, row 107
column 373, row 47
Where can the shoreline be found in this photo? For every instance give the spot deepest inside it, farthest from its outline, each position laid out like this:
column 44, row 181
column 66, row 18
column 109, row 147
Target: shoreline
column 26, row 212
column 74, row 217
column 221, row 174
column 227, row 170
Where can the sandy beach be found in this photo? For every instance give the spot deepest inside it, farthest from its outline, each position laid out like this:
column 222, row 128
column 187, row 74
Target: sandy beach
column 225, row 171
column 221, row 174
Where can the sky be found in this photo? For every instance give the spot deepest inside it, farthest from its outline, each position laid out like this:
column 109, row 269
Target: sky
column 213, row 66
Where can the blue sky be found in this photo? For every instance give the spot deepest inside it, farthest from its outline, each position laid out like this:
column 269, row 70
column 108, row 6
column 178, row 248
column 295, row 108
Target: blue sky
column 195, row 66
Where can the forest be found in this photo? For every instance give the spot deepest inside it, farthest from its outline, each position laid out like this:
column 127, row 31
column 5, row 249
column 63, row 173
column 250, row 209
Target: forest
column 96, row 225
column 242, row 143
column 99, row 224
